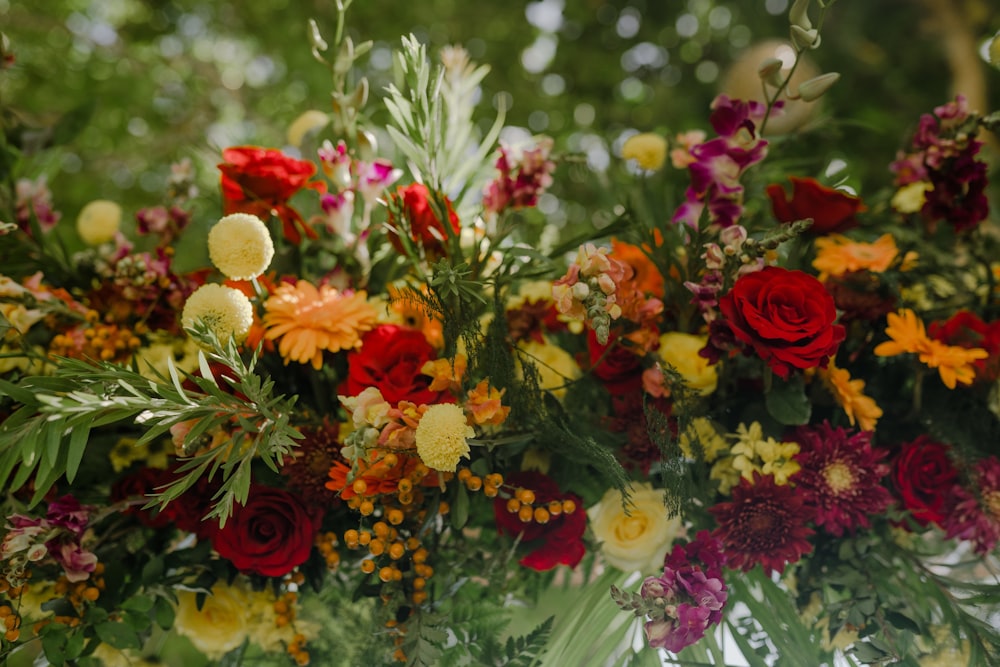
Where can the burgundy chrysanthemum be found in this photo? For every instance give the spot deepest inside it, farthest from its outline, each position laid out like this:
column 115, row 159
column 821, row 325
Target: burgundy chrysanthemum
column 976, row 516
column 840, row 477
column 308, row 470
column 764, row 523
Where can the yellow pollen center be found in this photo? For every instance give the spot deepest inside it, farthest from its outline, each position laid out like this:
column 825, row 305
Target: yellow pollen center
column 838, row 477
column 992, row 502
column 632, row 527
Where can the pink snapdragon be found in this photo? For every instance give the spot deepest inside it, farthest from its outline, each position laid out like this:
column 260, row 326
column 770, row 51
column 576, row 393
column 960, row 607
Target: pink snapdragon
column 522, row 177
column 590, row 290
column 59, row 536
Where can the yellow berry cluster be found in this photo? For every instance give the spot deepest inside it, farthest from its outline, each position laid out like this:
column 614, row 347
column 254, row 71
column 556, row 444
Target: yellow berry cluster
column 522, row 503
column 489, row 485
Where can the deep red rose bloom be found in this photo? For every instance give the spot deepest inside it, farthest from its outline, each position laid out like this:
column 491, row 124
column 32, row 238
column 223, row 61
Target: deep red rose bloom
column 786, row 316
column 270, row 535
column 615, row 364
column 560, row 541
column 924, row 476
column 831, row 211
column 764, row 523
column 261, row 181
column 186, row 512
column 412, row 204
column 965, row 329
column 139, row 485
column 390, row 359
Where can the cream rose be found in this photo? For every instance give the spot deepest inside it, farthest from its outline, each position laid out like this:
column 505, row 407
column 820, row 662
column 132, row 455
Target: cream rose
column 640, row 539
column 220, row 625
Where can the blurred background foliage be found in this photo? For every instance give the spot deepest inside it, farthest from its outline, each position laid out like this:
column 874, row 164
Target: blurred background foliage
column 123, row 88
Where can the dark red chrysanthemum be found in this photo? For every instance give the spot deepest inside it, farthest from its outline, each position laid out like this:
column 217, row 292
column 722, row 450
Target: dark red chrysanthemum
column 840, row 477
column 764, row 523
column 308, row 470
column 976, row 516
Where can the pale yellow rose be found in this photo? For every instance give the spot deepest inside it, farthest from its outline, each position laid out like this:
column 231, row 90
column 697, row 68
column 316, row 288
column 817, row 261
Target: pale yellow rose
column 220, row 625
column 680, row 351
column 640, row 539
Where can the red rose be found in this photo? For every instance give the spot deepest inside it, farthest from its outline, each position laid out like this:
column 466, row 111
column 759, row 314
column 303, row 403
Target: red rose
column 924, row 477
column 615, row 364
column 560, row 541
column 965, row 329
column 185, row 512
column 830, row 210
column 390, row 359
column 261, row 181
column 787, row 316
column 411, row 206
column 270, row 535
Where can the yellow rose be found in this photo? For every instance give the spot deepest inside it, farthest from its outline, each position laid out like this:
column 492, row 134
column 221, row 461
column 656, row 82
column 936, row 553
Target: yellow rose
column 639, row 540
column 221, row 623
column 647, row 149
column 556, row 367
column 680, row 351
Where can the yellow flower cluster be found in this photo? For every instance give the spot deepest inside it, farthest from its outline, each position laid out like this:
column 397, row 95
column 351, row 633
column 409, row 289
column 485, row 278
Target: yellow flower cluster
column 755, row 453
column 908, row 336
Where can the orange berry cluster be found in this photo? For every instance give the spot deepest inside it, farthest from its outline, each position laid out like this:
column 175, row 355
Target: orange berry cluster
column 107, row 342
column 489, row 485
column 522, row 503
column 284, row 615
column 326, row 544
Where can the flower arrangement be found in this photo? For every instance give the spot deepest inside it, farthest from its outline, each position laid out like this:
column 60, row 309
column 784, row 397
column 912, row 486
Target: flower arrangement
column 388, row 418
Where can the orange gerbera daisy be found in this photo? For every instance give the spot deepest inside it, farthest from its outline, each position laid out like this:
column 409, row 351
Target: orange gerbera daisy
column 850, row 394
column 310, row 320
column 956, row 365
column 647, row 278
column 907, row 333
column 836, row 255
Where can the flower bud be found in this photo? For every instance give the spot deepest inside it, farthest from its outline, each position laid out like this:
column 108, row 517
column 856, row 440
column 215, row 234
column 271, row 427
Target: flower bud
column 994, row 51
column 814, row 88
column 769, row 71
column 581, row 291
column 799, row 15
column 805, row 39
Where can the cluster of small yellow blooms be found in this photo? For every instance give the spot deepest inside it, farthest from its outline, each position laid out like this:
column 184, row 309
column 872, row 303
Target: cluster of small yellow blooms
column 522, row 503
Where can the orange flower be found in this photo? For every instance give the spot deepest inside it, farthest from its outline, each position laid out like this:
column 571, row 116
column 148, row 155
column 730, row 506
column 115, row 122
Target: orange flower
column 907, row 333
column 849, row 393
column 836, row 255
column 309, row 320
column 647, row 278
column 447, row 373
column 956, row 365
column 407, row 311
column 485, row 406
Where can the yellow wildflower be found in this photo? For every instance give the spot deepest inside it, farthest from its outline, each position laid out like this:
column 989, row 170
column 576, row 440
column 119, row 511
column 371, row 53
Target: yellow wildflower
column 849, row 394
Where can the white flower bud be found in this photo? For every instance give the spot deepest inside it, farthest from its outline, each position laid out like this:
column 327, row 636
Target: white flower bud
column 581, row 291
column 805, row 39
column 814, row 88
column 769, row 71
column 799, row 14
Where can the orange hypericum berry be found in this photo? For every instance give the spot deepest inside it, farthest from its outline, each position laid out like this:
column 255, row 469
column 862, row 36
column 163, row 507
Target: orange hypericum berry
column 302, row 659
column 381, row 529
column 351, row 538
column 490, row 491
column 390, row 460
column 368, row 566
column 555, row 507
column 419, row 597
column 385, row 574
column 474, row 483
column 281, row 620
column 366, row 507
column 464, row 474
column 280, row 607
column 395, row 516
column 420, row 555
column 12, row 635
column 332, row 560
column 568, row 506
column 419, row 584
column 412, row 543
column 513, row 505
column 5, row 611
column 398, row 655
column 494, row 479
column 425, row 571
column 364, row 538
column 377, row 547
column 405, row 498
column 444, row 507
column 525, row 514
column 404, row 485
column 91, row 593
column 396, row 550
column 526, row 496
column 359, row 486
column 542, row 515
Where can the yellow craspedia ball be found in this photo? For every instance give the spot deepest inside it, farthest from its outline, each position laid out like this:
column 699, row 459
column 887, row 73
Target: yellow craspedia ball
column 647, row 149
column 309, row 121
column 98, row 221
column 227, row 312
column 442, row 436
column 240, row 246
column 680, row 350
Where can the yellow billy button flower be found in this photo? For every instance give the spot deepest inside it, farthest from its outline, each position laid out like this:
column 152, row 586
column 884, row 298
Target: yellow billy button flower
column 647, row 149
column 441, row 437
column 226, row 311
column 98, row 221
column 240, row 246
column 638, row 540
